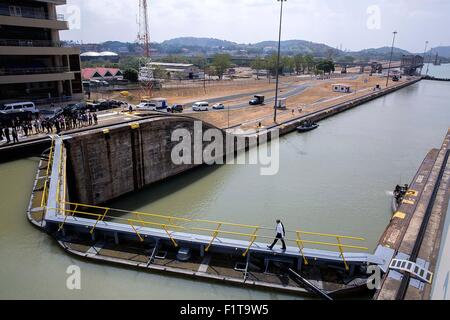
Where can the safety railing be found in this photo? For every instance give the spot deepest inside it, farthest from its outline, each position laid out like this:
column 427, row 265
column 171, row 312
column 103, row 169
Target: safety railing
column 214, row 229
column 32, row 70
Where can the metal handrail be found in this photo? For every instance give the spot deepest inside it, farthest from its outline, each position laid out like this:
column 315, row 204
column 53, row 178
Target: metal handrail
column 251, row 235
column 171, row 223
column 30, row 43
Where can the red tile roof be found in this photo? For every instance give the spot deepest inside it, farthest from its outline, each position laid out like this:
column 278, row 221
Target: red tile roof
column 88, row 73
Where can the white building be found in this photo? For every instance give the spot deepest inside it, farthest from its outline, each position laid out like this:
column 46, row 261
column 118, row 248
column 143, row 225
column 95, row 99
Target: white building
column 176, row 70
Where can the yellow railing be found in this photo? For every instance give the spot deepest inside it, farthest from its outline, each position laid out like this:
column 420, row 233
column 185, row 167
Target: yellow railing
column 170, row 224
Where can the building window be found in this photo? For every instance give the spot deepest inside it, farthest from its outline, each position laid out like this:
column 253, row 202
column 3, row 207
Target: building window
column 15, row 11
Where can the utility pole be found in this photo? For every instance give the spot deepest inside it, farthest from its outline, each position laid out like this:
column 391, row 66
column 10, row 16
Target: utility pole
column 390, row 60
column 278, row 62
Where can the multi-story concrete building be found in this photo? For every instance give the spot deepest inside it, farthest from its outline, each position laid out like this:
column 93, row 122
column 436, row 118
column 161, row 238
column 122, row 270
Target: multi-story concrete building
column 34, row 65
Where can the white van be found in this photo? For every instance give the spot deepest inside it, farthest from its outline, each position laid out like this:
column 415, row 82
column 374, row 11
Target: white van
column 19, row 106
column 146, row 106
column 200, row 106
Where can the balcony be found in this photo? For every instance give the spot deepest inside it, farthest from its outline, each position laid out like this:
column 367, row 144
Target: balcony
column 29, row 43
column 29, row 12
column 27, row 71
column 31, row 18
column 36, row 47
column 30, row 75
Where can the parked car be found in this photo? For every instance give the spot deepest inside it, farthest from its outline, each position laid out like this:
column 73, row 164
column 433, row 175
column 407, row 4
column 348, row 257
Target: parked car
column 200, row 106
column 146, row 106
column 218, row 106
column 92, row 106
column 108, row 104
column 48, row 114
column 175, row 108
column 19, row 106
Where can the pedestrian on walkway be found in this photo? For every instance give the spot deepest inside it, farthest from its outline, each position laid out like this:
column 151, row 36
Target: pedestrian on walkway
column 281, row 234
column 95, row 118
column 15, row 135
column 6, row 132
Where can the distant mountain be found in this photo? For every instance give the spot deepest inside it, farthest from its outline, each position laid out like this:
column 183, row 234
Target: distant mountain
column 442, row 51
column 199, row 42
column 191, row 46
column 299, row 47
column 382, row 53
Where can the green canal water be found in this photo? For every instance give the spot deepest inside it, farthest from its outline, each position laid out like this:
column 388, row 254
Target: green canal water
column 335, row 179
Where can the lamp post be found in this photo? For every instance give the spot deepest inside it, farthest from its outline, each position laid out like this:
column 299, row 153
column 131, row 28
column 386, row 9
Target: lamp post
column 278, row 62
column 390, row 60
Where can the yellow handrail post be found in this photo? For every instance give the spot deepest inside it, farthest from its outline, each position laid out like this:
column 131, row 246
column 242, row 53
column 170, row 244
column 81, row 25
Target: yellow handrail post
column 170, row 236
column 139, row 236
column 253, row 239
column 62, row 224
column 214, row 236
column 301, row 247
column 75, row 210
column 138, row 218
column 100, row 218
column 106, row 212
column 342, row 253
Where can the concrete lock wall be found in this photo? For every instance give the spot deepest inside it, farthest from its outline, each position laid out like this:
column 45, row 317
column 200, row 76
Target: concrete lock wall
column 103, row 166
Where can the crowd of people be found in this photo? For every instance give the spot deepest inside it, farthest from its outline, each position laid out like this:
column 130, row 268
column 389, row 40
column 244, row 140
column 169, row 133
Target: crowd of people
column 11, row 130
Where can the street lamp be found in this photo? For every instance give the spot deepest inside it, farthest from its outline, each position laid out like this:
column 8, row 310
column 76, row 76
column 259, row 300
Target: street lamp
column 390, row 60
column 278, row 62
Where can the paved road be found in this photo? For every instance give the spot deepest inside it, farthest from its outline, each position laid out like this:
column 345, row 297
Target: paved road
column 289, row 91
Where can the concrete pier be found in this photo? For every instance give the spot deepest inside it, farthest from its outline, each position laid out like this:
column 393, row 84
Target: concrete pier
column 414, row 234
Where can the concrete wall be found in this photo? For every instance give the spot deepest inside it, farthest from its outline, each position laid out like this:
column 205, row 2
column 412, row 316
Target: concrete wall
column 105, row 166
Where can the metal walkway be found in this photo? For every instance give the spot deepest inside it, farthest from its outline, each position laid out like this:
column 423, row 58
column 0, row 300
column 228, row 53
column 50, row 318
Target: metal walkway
column 206, row 235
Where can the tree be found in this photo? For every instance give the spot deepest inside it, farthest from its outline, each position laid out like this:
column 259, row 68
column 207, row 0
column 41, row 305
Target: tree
column 160, row 73
column 131, row 75
column 130, row 63
column 325, row 66
column 288, row 64
column 309, row 62
column 258, row 64
column 272, row 64
column 346, row 59
column 221, row 63
column 199, row 61
column 299, row 63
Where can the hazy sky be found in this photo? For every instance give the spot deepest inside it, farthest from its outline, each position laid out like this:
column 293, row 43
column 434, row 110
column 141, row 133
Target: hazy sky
column 354, row 24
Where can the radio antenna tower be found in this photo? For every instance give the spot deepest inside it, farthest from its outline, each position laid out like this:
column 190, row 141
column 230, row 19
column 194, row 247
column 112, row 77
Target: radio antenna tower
column 145, row 74
column 144, row 29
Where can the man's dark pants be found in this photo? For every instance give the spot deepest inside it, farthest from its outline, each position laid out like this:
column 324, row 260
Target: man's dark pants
column 278, row 237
